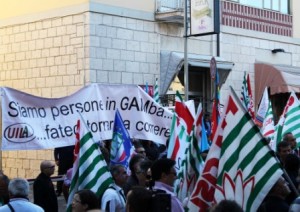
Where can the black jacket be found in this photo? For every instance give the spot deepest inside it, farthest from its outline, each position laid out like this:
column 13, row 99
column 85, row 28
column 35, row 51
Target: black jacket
column 44, row 193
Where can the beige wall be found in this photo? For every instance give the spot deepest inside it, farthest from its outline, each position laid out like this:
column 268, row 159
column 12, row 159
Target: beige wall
column 296, row 18
column 14, row 8
column 145, row 5
column 43, row 58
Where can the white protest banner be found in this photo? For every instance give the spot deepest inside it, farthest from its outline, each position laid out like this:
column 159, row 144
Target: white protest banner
column 31, row 122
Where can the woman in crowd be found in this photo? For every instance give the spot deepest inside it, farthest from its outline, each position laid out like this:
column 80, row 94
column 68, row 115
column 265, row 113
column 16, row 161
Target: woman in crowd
column 85, row 200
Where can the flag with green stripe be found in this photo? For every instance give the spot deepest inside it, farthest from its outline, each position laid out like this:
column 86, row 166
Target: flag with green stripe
column 290, row 119
column 156, row 92
column 181, row 131
column 90, row 170
column 247, row 170
column 268, row 127
column 192, row 163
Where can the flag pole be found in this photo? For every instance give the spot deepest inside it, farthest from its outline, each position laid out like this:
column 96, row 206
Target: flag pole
column 186, row 67
column 286, row 176
column 84, row 122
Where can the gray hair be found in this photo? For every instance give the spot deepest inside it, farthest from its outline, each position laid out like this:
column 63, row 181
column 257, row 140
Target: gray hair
column 18, row 187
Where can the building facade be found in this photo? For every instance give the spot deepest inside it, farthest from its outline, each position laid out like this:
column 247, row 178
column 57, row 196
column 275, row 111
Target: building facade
column 55, row 48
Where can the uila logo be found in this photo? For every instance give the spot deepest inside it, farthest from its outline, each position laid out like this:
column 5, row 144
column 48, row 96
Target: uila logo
column 19, row 133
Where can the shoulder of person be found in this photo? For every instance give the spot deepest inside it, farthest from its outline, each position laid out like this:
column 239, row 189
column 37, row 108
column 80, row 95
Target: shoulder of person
column 4, row 208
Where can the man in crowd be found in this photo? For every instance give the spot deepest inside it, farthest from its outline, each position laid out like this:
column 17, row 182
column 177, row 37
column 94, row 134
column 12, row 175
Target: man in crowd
column 164, row 175
column 113, row 198
column 133, row 166
column 289, row 137
column 43, row 188
column 18, row 190
column 139, row 149
column 283, row 149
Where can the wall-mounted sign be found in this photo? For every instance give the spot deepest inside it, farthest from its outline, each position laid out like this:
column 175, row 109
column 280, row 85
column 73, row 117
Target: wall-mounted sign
column 205, row 17
column 213, row 68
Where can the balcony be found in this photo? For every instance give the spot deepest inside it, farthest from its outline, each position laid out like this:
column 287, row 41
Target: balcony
column 232, row 14
column 170, row 11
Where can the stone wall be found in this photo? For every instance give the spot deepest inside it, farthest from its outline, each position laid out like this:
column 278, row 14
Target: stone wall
column 55, row 57
column 43, row 58
column 123, row 50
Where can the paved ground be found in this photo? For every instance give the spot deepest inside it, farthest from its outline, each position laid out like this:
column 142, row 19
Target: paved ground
column 61, row 201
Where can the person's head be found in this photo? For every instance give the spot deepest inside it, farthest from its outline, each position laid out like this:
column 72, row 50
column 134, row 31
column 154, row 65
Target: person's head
column 143, row 172
column 47, row 167
column 105, row 152
column 134, row 162
column 163, row 170
column 289, row 137
column 119, row 174
column 283, row 149
column 138, row 199
column 84, row 200
column 226, row 205
column 139, row 149
column 280, row 189
column 18, row 188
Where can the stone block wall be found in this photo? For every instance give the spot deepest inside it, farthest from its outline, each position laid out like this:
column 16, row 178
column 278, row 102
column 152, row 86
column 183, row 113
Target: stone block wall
column 43, row 58
column 123, row 50
column 55, row 57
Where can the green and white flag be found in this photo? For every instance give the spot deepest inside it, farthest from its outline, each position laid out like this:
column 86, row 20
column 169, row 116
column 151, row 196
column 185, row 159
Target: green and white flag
column 290, row 119
column 268, row 127
column 192, row 164
column 181, row 132
column 156, row 92
column 90, row 170
column 247, row 170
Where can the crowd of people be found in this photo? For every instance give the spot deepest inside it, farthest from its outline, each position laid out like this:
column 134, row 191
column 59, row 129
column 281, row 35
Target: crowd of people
column 148, row 187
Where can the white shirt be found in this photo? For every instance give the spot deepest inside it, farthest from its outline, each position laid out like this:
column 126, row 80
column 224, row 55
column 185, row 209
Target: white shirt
column 116, row 198
column 21, row 204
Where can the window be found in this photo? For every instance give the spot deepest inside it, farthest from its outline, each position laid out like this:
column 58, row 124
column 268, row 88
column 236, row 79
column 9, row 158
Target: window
column 277, row 5
column 252, row 3
column 267, row 4
column 284, row 7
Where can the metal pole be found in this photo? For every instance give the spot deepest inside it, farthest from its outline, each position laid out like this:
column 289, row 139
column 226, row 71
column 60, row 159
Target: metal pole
column 186, row 67
column 218, row 44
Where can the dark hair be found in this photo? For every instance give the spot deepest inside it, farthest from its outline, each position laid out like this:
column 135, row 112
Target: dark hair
column 135, row 159
column 145, row 165
column 285, row 136
column 227, row 205
column 139, row 199
column 138, row 144
column 89, row 198
column 160, row 166
column 115, row 170
column 282, row 144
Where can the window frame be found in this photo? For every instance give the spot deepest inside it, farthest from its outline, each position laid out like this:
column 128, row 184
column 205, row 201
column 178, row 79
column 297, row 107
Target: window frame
column 281, row 4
